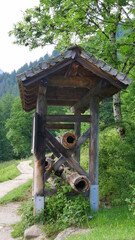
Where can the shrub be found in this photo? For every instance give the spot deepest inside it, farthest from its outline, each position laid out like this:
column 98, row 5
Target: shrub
column 116, row 167
column 131, row 200
column 61, row 211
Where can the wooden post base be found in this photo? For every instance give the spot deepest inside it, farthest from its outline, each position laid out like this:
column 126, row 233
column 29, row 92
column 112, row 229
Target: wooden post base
column 94, row 198
column 38, row 204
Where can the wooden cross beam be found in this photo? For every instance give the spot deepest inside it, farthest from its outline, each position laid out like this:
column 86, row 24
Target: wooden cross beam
column 81, row 140
column 60, row 126
column 73, row 163
column 52, row 148
column 83, row 104
column 68, row 118
column 58, row 163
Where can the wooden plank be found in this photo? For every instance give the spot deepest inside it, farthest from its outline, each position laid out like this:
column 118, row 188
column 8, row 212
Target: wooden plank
column 39, row 153
column 52, row 148
column 43, row 74
column 93, row 167
column 101, row 73
column 34, row 133
column 72, row 81
column 73, row 163
column 58, row 93
column 83, row 104
column 81, row 140
column 58, row 163
column 68, row 118
column 60, row 102
column 60, row 126
column 77, row 131
column 64, row 92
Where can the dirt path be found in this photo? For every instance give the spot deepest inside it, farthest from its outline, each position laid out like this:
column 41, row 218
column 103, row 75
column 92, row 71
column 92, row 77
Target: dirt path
column 8, row 212
column 8, row 216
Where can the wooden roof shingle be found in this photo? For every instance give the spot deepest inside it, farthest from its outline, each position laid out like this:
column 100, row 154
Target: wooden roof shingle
column 75, row 68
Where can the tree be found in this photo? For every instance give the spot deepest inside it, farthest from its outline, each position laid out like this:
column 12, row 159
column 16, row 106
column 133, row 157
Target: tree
column 6, row 151
column 94, row 24
column 19, row 127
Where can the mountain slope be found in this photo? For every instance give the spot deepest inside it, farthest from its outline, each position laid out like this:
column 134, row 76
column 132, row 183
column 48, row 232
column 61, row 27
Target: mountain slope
column 8, row 83
column 1, row 72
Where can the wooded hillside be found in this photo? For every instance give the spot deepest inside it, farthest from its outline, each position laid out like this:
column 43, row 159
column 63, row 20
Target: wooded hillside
column 8, row 83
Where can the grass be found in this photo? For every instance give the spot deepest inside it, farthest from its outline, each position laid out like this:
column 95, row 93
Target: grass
column 8, row 170
column 18, row 194
column 110, row 224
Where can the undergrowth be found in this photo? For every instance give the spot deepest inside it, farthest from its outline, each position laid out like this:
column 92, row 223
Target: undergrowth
column 61, row 211
column 8, row 170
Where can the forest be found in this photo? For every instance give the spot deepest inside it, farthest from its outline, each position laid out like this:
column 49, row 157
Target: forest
column 106, row 29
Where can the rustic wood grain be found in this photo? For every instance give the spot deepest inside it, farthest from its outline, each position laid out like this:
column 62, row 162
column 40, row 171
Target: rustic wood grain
column 94, row 141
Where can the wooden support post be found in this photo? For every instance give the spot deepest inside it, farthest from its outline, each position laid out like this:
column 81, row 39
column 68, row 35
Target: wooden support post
column 93, row 153
column 39, row 153
column 77, row 131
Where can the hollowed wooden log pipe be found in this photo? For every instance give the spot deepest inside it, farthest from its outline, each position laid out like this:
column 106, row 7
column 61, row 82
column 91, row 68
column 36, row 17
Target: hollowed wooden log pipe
column 78, row 182
column 48, row 164
column 68, row 140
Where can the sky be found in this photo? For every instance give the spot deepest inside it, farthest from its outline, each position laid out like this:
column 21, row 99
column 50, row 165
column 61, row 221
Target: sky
column 14, row 56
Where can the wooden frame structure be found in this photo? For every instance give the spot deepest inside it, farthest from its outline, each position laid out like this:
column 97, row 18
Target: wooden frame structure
column 77, row 79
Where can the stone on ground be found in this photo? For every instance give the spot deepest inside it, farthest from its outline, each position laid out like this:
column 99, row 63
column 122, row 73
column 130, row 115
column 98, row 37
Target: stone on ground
column 34, row 233
column 71, row 232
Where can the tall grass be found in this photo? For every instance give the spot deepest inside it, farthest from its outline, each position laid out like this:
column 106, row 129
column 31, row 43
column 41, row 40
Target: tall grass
column 8, row 170
column 18, row 194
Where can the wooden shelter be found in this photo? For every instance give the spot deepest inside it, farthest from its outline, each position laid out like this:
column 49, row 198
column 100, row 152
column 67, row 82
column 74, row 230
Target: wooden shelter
column 77, row 79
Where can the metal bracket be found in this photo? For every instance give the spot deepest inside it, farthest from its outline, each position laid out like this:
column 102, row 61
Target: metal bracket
column 39, row 203
column 94, row 197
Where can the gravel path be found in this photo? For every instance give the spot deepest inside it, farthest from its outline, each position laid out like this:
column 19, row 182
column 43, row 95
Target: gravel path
column 8, row 216
column 8, row 212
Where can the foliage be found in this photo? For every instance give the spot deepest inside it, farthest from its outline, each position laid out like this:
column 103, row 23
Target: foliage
column 106, row 118
column 15, row 124
column 8, row 170
column 6, row 151
column 18, row 194
column 131, row 199
column 19, row 127
column 61, row 211
column 116, row 167
column 105, row 27
column 115, row 223
column 8, row 82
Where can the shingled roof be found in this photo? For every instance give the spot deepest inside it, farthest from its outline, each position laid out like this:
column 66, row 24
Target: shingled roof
column 74, row 72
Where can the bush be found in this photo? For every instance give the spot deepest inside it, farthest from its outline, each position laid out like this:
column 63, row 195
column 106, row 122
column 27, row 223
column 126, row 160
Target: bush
column 116, row 167
column 61, row 211
column 131, row 200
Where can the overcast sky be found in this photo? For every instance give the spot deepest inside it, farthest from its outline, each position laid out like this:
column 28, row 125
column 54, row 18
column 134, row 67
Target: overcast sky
column 13, row 56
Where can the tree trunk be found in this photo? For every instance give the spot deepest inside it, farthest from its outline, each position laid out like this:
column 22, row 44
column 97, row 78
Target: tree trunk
column 118, row 115
column 116, row 97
